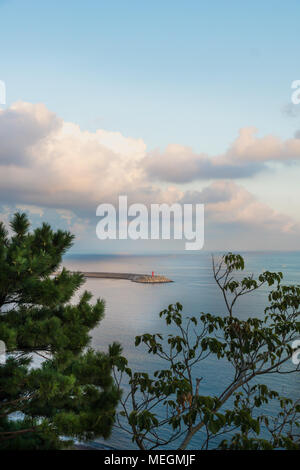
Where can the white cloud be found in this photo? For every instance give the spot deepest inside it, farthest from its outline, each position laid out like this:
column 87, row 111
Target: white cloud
column 229, row 203
column 55, row 164
column 247, row 156
column 31, row 209
column 48, row 163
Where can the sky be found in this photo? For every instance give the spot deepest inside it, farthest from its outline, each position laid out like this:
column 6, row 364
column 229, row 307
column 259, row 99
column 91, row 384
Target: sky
column 164, row 101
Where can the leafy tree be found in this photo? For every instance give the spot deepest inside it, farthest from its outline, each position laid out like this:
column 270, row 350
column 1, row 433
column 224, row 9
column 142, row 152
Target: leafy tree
column 255, row 348
column 70, row 394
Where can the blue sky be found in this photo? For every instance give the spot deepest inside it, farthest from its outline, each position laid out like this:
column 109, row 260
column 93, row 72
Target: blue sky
column 150, row 75
column 162, row 70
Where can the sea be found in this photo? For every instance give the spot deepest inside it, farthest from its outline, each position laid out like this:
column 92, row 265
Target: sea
column 133, row 309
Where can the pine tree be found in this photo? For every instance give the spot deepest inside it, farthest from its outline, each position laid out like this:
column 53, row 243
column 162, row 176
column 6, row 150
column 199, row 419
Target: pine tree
column 70, row 393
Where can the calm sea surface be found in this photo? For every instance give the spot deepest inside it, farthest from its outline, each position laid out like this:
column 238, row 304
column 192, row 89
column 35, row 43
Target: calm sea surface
column 132, row 309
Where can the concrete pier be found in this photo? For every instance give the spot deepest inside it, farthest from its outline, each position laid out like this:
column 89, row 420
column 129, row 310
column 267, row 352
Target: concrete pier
column 142, row 278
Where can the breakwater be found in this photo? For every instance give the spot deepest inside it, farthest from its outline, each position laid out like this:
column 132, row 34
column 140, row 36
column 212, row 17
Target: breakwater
column 142, row 278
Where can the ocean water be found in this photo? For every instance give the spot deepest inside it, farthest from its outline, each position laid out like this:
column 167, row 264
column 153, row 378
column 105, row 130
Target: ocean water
column 132, row 309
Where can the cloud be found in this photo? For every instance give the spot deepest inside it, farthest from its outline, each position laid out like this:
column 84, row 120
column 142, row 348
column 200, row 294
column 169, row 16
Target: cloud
column 291, row 110
column 22, row 127
column 66, row 215
column 250, row 148
column 5, row 215
column 46, row 161
column 31, row 209
column 229, row 203
column 47, row 164
column 247, row 156
column 180, row 164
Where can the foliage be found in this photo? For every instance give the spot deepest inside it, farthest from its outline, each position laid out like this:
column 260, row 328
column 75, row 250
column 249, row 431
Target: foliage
column 71, row 392
column 254, row 348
